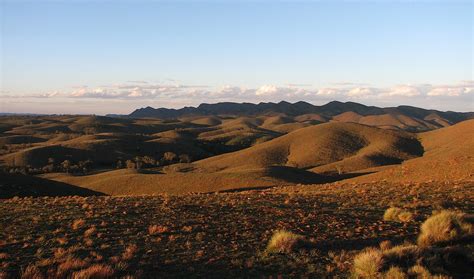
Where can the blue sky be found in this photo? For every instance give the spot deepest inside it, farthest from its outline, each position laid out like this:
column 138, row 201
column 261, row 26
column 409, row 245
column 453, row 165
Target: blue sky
column 190, row 52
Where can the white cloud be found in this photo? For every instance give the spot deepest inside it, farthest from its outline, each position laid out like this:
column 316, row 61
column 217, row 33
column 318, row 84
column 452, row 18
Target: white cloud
column 361, row 92
column 148, row 93
column 267, row 90
column 329, row 92
column 404, row 91
column 453, row 90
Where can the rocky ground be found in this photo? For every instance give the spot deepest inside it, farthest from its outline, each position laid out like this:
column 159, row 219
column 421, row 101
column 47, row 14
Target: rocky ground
column 214, row 235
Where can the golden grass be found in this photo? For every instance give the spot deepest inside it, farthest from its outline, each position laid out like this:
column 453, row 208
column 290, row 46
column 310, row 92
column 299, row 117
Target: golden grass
column 394, row 273
column 31, row 272
column 69, row 265
column 445, row 226
column 401, row 251
column 368, row 263
column 76, row 224
column 96, row 271
column 420, row 271
column 157, row 229
column 397, row 215
column 285, row 242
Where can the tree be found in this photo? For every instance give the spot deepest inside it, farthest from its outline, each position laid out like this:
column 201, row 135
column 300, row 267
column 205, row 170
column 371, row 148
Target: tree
column 147, row 160
column 184, row 158
column 138, row 163
column 130, row 164
column 169, row 157
column 85, row 165
column 66, row 165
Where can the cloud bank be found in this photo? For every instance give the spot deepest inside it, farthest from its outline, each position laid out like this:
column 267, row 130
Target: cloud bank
column 459, row 96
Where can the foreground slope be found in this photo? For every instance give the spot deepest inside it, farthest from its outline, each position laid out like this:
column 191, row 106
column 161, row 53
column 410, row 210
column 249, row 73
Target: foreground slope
column 217, row 236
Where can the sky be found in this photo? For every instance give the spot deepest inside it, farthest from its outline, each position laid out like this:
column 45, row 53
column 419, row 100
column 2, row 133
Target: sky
column 99, row 57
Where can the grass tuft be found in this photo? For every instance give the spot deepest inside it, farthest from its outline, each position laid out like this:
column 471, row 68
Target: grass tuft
column 31, row 272
column 285, row 242
column 368, row 263
column 396, row 214
column 394, row 273
column 95, row 271
column 444, row 226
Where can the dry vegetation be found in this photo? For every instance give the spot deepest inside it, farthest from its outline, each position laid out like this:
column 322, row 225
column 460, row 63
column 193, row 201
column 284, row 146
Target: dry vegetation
column 233, row 234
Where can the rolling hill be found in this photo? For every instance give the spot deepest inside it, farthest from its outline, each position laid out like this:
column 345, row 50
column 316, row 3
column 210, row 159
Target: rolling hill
column 263, row 145
column 308, row 155
column 351, row 146
column 448, row 157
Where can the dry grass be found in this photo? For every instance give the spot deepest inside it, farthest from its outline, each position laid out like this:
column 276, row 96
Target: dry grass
column 420, row 271
column 157, row 229
column 397, row 215
column 394, row 273
column 445, row 226
column 31, row 272
column 76, row 224
column 96, row 271
column 285, row 242
column 368, row 263
column 69, row 265
column 442, row 227
column 225, row 234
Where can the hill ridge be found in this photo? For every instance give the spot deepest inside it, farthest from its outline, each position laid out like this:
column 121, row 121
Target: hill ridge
column 328, row 110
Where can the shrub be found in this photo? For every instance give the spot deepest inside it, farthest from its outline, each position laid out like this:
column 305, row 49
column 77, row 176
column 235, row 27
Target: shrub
column 169, row 157
column 397, row 215
column 130, row 164
column 444, row 226
column 66, row 165
column 368, row 263
column 285, row 242
column 184, row 158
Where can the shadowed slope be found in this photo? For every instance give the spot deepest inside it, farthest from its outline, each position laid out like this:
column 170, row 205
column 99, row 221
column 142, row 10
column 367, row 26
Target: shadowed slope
column 12, row 185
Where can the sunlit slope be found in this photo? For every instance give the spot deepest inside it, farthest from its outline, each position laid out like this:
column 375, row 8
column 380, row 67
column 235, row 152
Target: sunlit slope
column 448, row 156
column 354, row 146
column 130, row 182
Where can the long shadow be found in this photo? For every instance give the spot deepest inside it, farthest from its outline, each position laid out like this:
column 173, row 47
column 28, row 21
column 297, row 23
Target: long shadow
column 295, row 175
column 20, row 185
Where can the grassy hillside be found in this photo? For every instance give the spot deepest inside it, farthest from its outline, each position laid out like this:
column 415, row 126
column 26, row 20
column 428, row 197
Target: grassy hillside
column 353, row 146
column 448, row 156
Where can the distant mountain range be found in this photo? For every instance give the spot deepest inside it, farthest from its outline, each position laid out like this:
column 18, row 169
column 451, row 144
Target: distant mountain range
column 353, row 111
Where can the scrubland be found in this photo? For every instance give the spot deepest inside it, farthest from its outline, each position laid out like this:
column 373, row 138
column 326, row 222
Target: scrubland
column 229, row 234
